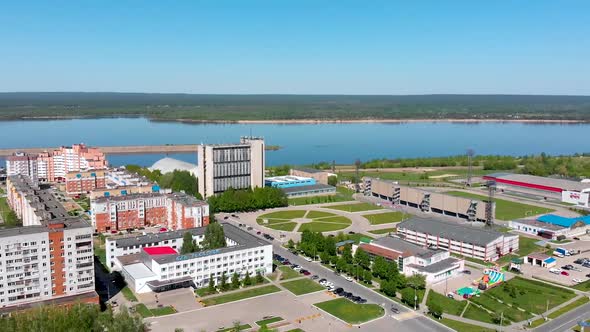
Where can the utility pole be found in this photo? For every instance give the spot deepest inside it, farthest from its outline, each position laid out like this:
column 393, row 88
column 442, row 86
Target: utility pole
column 502, row 318
column 357, row 165
column 547, row 309
column 415, row 299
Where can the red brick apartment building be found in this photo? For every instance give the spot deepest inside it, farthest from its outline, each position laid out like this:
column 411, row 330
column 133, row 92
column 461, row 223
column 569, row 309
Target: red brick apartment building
column 85, row 181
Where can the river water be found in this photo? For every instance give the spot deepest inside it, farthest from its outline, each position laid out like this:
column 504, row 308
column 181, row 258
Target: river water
column 307, row 143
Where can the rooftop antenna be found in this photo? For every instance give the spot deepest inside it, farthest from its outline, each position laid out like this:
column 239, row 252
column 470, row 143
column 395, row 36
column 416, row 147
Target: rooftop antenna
column 490, row 203
column 470, row 154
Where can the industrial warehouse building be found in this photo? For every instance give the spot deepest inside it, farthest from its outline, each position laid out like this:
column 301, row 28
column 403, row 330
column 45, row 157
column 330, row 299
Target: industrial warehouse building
column 391, row 191
column 298, row 186
column 434, row 264
column 465, row 240
column 319, row 175
column 551, row 226
column 152, row 262
column 568, row 191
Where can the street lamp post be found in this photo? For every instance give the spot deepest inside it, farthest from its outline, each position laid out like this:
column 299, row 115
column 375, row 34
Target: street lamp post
column 415, row 299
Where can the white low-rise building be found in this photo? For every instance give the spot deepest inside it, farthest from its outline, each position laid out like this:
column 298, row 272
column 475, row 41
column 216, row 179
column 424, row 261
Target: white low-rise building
column 436, row 265
column 152, row 262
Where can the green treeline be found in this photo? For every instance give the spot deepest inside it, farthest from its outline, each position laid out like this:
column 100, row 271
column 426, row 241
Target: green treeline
column 245, row 200
column 214, row 238
column 292, row 107
column 176, row 180
column 76, row 318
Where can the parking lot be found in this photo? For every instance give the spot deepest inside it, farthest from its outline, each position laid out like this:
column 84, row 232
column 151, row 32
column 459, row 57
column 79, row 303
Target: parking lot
column 567, row 280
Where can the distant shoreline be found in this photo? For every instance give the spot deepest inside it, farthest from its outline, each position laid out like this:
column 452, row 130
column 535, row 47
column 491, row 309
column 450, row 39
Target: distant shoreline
column 306, row 121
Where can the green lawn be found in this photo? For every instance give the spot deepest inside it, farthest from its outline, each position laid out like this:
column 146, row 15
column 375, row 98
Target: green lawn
column 302, row 286
column 269, row 321
column 288, row 273
column 101, row 253
column 318, row 214
column 492, row 304
column 581, row 301
column 285, row 226
column 506, row 210
column 232, row 329
column 355, row 207
column 386, row 218
column 448, row 305
column 350, row 312
column 532, row 295
column 336, row 219
column 296, row 330
column 476, row 313
column 357, row 237
column 342, row 195
column 583, row 286
column 527, row 245
column 292, row 214
column 383, row 230
column 200, row 292
column 143, row 311
column 162, row 311
column 241, row 295
column 463, row 327
column 128, row 294
column 317, row 226
column 266, row 222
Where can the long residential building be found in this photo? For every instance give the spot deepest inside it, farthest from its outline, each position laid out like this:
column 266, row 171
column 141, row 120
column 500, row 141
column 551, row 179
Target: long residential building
column 152, row 262
column 53, row 166
column 465, row 240
column 50, row 259
column 237, row 166
column 83, row 182
column 174, row 211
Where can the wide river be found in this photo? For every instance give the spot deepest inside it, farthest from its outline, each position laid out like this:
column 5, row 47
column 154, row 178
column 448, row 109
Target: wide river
column 307, row 143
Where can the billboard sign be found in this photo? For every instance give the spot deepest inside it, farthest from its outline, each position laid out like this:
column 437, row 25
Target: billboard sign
column 575, row 197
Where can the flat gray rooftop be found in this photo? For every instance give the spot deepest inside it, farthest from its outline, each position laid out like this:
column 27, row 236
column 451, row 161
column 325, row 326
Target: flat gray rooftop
column 452, row 230
column 402, row 246
column 311, row 187
column 69, row 223
column 539, row 224
column 440, row 266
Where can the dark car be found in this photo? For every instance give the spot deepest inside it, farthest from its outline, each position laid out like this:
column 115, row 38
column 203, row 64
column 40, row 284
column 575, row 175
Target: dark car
column 577, row 238
column 258, row 233
column 286, row 262
column 303, row 271
column 567, row 267
column 361, row 301
column 225, row 218
column 587, row 264
column 355, row 299
column 306, row 273
column 314, row 277
column 466, row 271
column 322, row 280
column 294, row 252
column 339, row 290
column 579, row 261
column 347, row 295
column 351, row 233
column 394, row 309
column 588, row 275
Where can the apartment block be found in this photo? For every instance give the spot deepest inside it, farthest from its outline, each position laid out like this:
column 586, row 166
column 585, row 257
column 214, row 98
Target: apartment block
column 23, row 164
column 224, row 166
column 30, row 203
column 173, row 211
column 83, row 182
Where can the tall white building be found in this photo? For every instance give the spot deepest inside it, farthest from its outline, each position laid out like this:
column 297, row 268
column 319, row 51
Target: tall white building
column 23, row 164
column 224, row 166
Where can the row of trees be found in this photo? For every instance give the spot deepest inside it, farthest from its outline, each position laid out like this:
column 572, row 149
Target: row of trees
column 214, row 238
column 234, row 283
column 246, row 200
column 359, row 265
column 78, row 317
column 175, row 180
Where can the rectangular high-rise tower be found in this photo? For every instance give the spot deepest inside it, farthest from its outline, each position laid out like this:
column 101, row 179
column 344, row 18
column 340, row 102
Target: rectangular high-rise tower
column 224, row 166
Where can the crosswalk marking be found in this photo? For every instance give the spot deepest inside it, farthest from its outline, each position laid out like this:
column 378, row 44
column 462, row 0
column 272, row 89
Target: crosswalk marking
column 405, row 316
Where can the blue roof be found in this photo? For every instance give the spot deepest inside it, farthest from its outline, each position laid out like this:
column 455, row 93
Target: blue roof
column 550, row 260
column 563, row 221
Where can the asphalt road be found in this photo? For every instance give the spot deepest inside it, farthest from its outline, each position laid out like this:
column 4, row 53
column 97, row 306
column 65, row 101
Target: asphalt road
column 418, row 323
column 566, row 321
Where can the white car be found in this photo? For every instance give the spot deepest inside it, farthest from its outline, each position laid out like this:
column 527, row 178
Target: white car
column 554, row 270
column 577, row 281
column 329, row 284
column 307, row 259
column 348, row 278
column 297, row 268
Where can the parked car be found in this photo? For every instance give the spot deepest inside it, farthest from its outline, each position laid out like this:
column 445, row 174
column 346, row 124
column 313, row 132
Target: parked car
column 577, row 280
column 588, row 275
column 351, row 233
column 577, row 238
column 355, row 299
column 394, row 309
column 361, row 301
column 225, row 218
column 314, row 277
column 565, row 273
column 580, row 261
column 307, row 259
column 467, row 271
column 567, row 267
column 302, row 270
column 347, row 295
column 258, row 233
column 339, row 291
column 249, row 228
column 450, row 296
column 297, row 268
column 322, row 281
column 286, row 262
column 306, row 273
column 348, row 278
column 554, row 270
column 587, row 264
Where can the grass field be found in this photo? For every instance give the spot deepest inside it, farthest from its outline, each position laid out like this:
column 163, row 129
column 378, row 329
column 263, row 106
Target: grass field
column 492, row 304
column 506, row 210
column 449, row 306
column 302, row 286
column 357, row 237
column 144, row 312
column 342, row 195
column 242, row 327
column 350, row 312
column 318, row 214
column 200, row 292
column 383, row 230
column 355, row 207
column 288, row 226
column 581, row 301
column 336, row 219
column 317, row 226
column 386, row 218
column 269, row 321
column 583, row 286
column 288, row 215
column 531, row 295
column 476, row 313
column 527, row 245
column 128, row 294
column 241, row 295
column 288, row 273
column 463, row 327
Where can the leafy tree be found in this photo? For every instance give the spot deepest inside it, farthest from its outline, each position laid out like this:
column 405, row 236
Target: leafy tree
column 247, row 280
column 290, row 244
column 214, row 237
column 246, row 200
column 380, row 268
column 362, row 259
column 259, row 278
column 333, row 180
column 211, row 284
column 408, row 297
column 435, row 309
column 341, row 264
column 324, row 257
column 187, row 244
column 417, row 281
column 223, row 283
column 347, row 254
column 388, row 287
column 265, row 328
column 235, row 281
column 368, row 276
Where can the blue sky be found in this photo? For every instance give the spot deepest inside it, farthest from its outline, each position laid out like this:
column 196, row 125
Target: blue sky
column 297, row 47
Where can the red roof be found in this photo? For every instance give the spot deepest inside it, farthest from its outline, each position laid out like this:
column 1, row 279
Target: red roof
column 378, row 251
column 152, row 251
